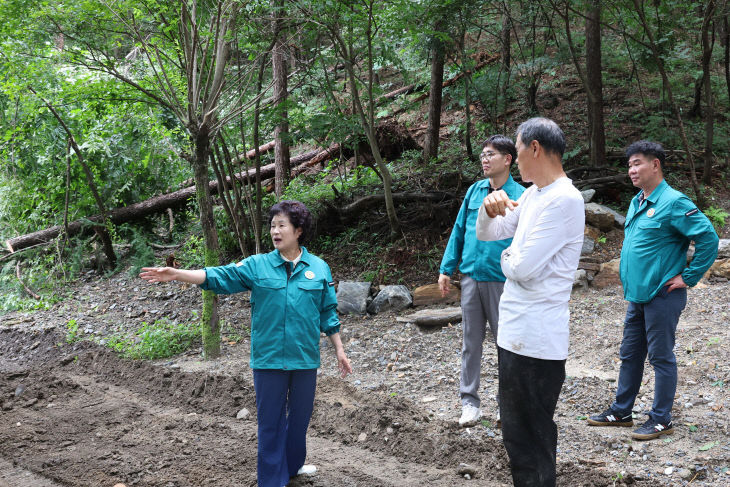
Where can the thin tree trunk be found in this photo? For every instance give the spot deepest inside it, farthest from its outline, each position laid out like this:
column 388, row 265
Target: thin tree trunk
column 701, row 203
column 506, row 55
column 101, row 230
column 281, row 131
column 707, row 46
column 210, row 325
column 726, row 28
column 594, row 84
column 438, row 54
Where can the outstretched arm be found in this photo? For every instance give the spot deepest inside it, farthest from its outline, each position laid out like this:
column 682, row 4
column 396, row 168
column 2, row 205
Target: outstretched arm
column 167, row 274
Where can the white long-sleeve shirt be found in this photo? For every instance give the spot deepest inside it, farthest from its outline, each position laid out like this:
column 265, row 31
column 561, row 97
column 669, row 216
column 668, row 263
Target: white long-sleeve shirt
column 547, row 229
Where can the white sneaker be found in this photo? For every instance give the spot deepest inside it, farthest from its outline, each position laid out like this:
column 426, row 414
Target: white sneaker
column 469, row 415
column 307, row 470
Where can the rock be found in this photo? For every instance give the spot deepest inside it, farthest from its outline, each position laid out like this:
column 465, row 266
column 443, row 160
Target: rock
column 243, row 414
column 119, row 485
column 599, row 216
column 430, row 294
column 428, row 399
column 394, row 298
column 581, row 279
column 592, row 232
column 668, row 470
column 588, row 195
column 588, row 245
column 19, row 390
column 433, row 317
column 362, row 437
column 723, row 249
column 721, row 268
column 608, row 275
column 466, row 469
column 352, row 297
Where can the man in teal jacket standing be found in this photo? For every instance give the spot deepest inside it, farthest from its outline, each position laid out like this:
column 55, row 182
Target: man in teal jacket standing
column 660, row 224
column 482, row 279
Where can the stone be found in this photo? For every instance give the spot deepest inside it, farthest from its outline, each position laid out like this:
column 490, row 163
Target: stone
column 588, row 195
column 19, row 390
column 608, row 275
column 589, row 245
column 592, row 232
column 433, row 317
column 721, row 268
column 723, row 249
column 362, row 437
column 466, row 469
column 431, row 294
column 352, row 297
column 395, row 298
column 243, row 414
column 599, row 216
column 580, row 280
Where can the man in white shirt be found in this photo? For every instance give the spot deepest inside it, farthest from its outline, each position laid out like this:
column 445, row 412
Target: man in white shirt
column 546, row 224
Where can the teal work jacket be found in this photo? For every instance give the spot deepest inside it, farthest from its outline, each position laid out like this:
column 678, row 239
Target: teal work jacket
column 287, row 315
column 475, row 258
column 656, row 237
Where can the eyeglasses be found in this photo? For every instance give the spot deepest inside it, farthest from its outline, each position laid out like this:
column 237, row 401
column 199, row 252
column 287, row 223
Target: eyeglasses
column 488, row 155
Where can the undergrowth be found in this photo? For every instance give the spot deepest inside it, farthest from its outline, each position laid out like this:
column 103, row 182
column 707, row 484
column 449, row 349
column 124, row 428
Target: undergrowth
column 160, row 339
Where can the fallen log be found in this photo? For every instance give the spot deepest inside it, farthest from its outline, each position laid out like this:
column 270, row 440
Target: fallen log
column 372, row 200
column 156, row 204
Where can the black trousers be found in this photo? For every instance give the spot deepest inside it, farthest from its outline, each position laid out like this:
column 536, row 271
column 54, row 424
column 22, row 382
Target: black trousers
column 528, row 391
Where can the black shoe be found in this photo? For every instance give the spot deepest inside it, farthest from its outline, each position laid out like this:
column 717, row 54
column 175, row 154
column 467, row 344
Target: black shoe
column 652, row 429
column 610, row 418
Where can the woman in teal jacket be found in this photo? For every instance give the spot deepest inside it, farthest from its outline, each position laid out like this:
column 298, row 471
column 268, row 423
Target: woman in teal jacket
column 292, row 302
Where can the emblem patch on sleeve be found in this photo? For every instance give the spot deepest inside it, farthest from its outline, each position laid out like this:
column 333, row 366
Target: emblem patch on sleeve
column 239, row 264
column 331, row 283
column 691, row 212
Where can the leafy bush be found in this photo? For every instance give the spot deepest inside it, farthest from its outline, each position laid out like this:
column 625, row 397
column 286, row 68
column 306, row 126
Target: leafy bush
column 160, row 339
column 717, row 216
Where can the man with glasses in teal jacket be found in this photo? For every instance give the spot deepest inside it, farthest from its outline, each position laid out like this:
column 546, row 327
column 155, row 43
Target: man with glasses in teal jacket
column 482, row 279
column 655, row 275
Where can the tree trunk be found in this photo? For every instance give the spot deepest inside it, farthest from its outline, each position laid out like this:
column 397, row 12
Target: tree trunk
column 506, row 55
column 438, row 54
column 210, row 326
column 709, row 108
column 701, row 203
column 594, row 83
column 726, row 28
column 281, row 131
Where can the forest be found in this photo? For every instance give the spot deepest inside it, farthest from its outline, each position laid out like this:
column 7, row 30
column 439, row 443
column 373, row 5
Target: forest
column 145, row 132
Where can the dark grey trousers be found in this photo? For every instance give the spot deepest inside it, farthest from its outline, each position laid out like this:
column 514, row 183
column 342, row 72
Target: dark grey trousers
column 479, row 305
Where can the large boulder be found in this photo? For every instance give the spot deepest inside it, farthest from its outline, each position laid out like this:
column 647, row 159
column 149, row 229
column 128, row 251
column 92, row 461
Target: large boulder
column 431, row 294
column 723, row 249
column 433, row 317
column 352, row 297
column 608, row 275
column 394, row 298
column 721, row 268
column 599, row 216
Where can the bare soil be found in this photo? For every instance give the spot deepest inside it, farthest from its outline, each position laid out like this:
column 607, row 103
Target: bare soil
column 79, row 415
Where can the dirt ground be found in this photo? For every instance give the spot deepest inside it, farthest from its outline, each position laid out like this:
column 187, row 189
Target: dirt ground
column 79, row 415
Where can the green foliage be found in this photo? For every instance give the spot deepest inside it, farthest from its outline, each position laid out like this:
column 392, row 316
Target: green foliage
column 72, row 331
column 160, row 339
column 717, row 216
column 142, row 254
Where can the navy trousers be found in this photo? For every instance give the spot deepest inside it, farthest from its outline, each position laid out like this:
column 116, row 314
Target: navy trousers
column 284, row 404
column 528, row 390
column 649, row 328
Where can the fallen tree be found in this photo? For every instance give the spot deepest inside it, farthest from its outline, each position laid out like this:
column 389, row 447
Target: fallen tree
column 156, row 204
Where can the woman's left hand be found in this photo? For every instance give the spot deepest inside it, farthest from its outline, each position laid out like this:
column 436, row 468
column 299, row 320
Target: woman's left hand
column 343, row 363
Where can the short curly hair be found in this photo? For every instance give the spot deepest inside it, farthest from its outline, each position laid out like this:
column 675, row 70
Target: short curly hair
column 298, row 215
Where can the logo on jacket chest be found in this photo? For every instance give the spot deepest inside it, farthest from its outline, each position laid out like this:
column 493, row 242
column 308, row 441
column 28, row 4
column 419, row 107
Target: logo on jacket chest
column 309, row 275
column 650, row 212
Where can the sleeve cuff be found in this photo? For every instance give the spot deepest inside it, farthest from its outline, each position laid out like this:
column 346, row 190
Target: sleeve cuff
column 332, row 331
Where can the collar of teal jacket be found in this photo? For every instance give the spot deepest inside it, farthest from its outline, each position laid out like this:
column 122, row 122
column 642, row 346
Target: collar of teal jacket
column 275, row 259
column 634, row 209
